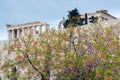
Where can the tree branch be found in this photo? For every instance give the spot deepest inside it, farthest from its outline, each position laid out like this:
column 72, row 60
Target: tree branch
column 43, row 78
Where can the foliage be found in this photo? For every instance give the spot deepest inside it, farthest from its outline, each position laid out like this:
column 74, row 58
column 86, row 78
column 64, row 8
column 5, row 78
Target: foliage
column 73, row 19
column 90, row 53
column 95, row 56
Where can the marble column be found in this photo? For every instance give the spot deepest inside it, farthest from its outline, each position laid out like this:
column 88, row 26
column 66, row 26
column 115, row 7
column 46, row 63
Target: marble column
column 23, row 32
column 34, row 30
column 13, row 34
column 18, row 33
column 29, row 30
column 8, row 34
column 40, row 29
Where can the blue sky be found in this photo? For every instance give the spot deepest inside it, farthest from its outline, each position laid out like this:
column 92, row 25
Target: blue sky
column 50, row 11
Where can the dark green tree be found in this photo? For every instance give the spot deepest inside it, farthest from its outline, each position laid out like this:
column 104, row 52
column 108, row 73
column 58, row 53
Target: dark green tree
column 73, row 19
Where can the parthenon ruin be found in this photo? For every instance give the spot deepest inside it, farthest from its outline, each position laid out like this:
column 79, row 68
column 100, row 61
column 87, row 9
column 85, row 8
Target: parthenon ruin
column 102, row 15
column 19, row 30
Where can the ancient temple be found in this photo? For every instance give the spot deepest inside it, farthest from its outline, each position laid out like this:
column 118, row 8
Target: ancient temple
column 102, row 15
column 20, row 30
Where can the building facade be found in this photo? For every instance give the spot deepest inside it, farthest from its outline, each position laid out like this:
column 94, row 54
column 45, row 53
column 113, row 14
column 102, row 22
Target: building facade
column 20, row 30
column 102, row 15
